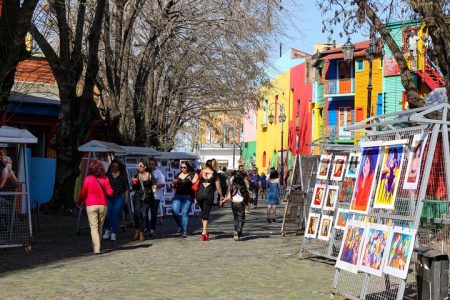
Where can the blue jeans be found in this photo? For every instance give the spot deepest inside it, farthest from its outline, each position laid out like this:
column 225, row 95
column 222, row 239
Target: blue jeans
column 114, row 212
column 183, row 203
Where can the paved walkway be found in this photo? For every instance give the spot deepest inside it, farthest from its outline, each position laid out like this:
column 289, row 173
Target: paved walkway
column 263, row 265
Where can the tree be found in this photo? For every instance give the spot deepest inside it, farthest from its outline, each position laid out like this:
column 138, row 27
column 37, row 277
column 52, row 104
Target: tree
column 15, row 21
column 353, row 15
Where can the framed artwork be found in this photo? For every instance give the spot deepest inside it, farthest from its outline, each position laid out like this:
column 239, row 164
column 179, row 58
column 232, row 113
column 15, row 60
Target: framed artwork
column 163, row 163
column 324, row 166
column 337, row 173
column 9, row 168
column 346, row 191
column 312, row 225
column 318, row 195
column 353, row 164
column 325, row 227
column 400, row 248
column 351, row 245
column 169, row 175
column 341, row 218
column 175, row 165
column 169, row 189
column 415, row 161
column 374, row 250
column 389, row 179
column 331, row 197
column 365, row 182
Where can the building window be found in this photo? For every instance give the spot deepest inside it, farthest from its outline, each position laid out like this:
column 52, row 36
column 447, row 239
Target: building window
column 359, row 65
column 264, row 159
column 344, row 120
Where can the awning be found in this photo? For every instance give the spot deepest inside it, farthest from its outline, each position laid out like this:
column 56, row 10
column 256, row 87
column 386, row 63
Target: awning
column 178, row 155
column 16, row 136
column 141, row 151
column 101, row 146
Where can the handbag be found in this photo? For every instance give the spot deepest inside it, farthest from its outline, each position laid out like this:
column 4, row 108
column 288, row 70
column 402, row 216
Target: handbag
column 195, row 185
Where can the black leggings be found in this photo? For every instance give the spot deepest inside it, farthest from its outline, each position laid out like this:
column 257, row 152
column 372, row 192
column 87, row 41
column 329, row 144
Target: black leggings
column 140, row 214
column 205, row 200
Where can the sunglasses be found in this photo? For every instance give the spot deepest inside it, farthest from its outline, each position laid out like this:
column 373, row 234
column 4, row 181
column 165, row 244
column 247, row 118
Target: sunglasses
column 141, row 166
column 183, row 167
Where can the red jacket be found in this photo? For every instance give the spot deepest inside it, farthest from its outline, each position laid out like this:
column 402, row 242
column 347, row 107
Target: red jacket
column 93, row 193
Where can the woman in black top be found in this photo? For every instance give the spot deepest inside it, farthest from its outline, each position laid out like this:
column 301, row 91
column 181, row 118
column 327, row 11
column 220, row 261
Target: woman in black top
column 144, row 186
column 183, row 196
column 118, row 179
column 209, row 184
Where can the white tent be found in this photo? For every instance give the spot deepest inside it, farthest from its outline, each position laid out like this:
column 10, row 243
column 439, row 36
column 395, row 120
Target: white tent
column 101, row 146
column 16, row 136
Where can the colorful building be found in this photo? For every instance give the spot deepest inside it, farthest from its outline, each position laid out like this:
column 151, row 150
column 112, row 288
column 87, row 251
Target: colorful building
column 249, row 139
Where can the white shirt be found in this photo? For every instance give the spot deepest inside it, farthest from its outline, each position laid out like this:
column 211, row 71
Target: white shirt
column 159, row 177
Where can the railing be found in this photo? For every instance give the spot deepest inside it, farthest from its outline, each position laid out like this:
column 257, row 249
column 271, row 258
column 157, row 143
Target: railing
column 340, row 86
column 333, row 133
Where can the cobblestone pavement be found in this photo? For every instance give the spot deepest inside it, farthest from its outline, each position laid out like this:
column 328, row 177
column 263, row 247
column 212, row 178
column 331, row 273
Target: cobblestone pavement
column 263, row 265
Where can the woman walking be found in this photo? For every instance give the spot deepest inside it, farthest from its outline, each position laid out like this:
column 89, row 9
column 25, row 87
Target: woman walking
column 144, row 186
column 118, row 179
column 209, row 183
column 272, row 196
column 184, row 196
column 96, row 188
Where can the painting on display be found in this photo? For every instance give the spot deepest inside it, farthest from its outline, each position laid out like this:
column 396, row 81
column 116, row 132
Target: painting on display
column 169, row 176
column 415, row 161
column 312, row 225
column 400, row 248
column 374, row 250
column 169, row 189
column 351, row 245
column 331, row 197
column 389, row 179
column 325, row 227
column 337, row 173
column 346, row 191
column 175, row 165
column 163, row 163
column 9, row 172
column 318, row 195
column 353, row 164
column 365, row 182
column 341, row 218
column 324, row 166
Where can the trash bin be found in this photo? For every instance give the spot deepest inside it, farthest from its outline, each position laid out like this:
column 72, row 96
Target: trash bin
column 431, row 274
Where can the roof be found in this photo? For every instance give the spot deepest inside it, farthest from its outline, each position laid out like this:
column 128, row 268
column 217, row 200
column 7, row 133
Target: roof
column 336, row 53
column 101, row 146
column 178, row 155
column 33, row 99
column 16, row 136
column 145, row 151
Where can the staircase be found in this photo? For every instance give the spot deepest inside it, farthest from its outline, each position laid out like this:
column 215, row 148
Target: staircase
column 432, row 77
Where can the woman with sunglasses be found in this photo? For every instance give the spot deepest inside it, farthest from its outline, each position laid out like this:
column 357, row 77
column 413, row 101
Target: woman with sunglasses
column 118, row 179
column 209, row 184
column 144, row 186
column 183, row 196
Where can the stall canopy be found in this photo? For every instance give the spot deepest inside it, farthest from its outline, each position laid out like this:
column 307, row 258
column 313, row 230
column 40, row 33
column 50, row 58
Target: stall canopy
column 141, row 151
column 16, row 136
column 101, row 146
column 178, row 155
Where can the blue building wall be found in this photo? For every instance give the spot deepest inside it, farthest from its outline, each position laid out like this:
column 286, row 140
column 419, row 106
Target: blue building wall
column 333, row 107
column 332, row 70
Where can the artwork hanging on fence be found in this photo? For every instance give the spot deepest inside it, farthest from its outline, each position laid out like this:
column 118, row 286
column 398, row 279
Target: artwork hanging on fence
column 352, row 241
column 331, row 197
column 325, row 227
column 353, row 165
column 374, row 249
column 389, row 179
column 346, row 191
column 415, row 161
column 364, row 185
column 169, row 175
column 338, row 170
column 9, row 172
column 318, row 195
column 312, row 225
column 324, row 166
column 341, row 218
column 400, row 248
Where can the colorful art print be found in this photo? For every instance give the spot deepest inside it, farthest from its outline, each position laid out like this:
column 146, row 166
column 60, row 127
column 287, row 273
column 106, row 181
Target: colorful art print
column 312, row 225
column 325, row 227
column 346, row 191
column 400, row 248
column 415, row 161
column 324, row 166
column 374, row 249
column 331, row 197
column 353, row 164
column 338, row 170
column 364, row 185
column 341, row 218
column 318, row 196
column 389, row 179
column 351, row 245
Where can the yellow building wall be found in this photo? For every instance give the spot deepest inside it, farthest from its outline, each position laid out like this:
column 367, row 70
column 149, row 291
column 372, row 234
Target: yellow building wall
column 268, row 137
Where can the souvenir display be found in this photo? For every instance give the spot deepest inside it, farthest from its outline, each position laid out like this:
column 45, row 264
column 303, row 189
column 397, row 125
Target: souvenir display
column 312, row 225
column 318, row 196
column 353, row 165
column 374, row 249
column 337, row 173
column 400, row 249
column 415, row 161
column 325, row 227
column 346, row 191
column 341, row 218
column 331, row 197
column 389, row 179
column 324, row 166
column 351, row 245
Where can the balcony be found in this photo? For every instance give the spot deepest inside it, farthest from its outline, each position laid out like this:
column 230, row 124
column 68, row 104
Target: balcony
column 335, row 134
column 336, row 87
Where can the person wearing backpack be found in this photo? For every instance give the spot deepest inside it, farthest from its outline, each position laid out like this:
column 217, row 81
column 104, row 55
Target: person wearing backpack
column 239, row 196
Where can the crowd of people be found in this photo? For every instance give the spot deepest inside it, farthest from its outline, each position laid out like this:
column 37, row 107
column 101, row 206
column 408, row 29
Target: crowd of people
column 106, row 193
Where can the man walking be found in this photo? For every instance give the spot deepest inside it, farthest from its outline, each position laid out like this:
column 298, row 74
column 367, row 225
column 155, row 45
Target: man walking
column 160, row 184
column 256, row 180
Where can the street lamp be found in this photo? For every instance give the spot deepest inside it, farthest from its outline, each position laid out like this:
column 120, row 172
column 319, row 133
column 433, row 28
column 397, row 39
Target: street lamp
column 348, row 49
column 281, row 118
column 370, row 52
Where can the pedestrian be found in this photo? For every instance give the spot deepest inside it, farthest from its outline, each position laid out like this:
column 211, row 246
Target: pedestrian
column 273, row 195
column 118, row 179
column 158, row 176
column 251, row 190
column 239, row 196
column 184, row 195
column 209, row 184
column 263, row 180
column 144, row 186
column 96, row 188
column 241, row 169
column 223, row 183
column 256, row 180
